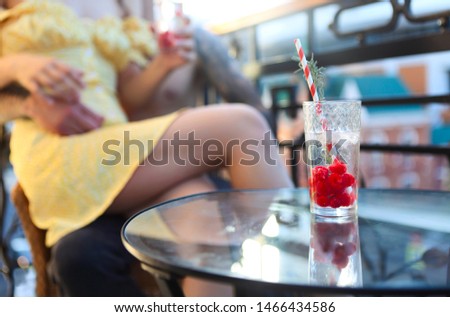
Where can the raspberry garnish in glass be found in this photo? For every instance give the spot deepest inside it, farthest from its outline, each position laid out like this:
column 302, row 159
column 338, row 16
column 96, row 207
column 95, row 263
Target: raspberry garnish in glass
column 332, row 186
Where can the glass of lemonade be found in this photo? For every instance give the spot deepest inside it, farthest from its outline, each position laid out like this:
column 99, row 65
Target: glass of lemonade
column 332, row 133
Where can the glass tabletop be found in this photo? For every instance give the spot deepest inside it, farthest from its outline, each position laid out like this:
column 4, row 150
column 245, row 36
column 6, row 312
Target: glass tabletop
column 399, row 242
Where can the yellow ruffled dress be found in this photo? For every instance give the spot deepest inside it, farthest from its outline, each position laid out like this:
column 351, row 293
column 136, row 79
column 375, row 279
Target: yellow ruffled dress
column 70, row 181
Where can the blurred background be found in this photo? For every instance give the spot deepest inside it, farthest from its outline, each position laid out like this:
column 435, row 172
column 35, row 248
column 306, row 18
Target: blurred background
column 371, row 50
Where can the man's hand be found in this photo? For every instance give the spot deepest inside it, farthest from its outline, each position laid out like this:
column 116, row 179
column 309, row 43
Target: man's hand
column 61, row 117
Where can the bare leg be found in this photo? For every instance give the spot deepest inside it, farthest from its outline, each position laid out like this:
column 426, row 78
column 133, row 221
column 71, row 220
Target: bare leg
column 226, row 126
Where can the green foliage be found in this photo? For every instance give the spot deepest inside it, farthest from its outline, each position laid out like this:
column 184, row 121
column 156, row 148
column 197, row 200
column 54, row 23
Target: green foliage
column 317, row 73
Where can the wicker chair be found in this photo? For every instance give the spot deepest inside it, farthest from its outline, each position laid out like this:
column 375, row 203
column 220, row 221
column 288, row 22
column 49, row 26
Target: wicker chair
column 36, row 239
column 41, row 253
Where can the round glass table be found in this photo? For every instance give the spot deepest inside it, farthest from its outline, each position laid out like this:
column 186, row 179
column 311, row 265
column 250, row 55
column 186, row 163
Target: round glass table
column 267, row 243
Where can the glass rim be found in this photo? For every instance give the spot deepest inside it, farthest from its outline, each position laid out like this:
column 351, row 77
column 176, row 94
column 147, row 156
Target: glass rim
column 333, row 101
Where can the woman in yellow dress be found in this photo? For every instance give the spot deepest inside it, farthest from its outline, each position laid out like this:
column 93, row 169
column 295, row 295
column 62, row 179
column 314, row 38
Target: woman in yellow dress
column 118, row 167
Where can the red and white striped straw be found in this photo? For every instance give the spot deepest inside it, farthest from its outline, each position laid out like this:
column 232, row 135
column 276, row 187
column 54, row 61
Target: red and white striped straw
column 306, row 71
column 309, row 80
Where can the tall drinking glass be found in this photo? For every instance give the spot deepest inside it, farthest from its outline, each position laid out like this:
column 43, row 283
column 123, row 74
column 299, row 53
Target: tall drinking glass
column 332, row 132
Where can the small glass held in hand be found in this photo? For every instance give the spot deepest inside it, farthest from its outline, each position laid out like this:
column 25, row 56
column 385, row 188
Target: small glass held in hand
column 170, row 19
column 332, row 133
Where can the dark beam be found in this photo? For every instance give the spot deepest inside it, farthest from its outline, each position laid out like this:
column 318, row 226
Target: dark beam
column 401, row 47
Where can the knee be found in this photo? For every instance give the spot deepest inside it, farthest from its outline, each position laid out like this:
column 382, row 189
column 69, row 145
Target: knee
column 250, row 118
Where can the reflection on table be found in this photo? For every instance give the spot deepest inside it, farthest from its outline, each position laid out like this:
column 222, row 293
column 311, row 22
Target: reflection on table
column 266, row 242
column 334, row 251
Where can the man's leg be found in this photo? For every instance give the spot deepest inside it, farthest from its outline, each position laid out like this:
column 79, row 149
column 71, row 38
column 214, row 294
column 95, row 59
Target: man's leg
column 92, row 261
column 222, row 71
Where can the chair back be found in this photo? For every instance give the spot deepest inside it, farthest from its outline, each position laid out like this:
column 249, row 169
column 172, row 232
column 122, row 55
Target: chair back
column 36, row 238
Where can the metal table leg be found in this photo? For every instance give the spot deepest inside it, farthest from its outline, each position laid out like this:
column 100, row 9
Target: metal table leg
column 167, row 283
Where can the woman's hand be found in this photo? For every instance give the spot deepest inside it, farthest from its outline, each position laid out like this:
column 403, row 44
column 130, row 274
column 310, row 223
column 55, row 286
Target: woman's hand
column 138, row 87
column 177, row 47
column 50, row 77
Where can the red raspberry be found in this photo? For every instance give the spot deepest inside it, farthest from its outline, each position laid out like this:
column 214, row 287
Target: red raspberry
column 340, row 263
column 320, row 173
column 337, row 167
column 321, row 200
column 340, row 200
column 334, row 202
column 336, row 184
column 348, row 180
column 340, row 258
column 344, row 199
column 321, row 188
column 329, row 146
column 339, row 250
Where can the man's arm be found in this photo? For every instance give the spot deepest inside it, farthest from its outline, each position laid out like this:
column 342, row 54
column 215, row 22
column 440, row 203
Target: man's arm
column 222, row 71
column 59, row 117
column 12, row 101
